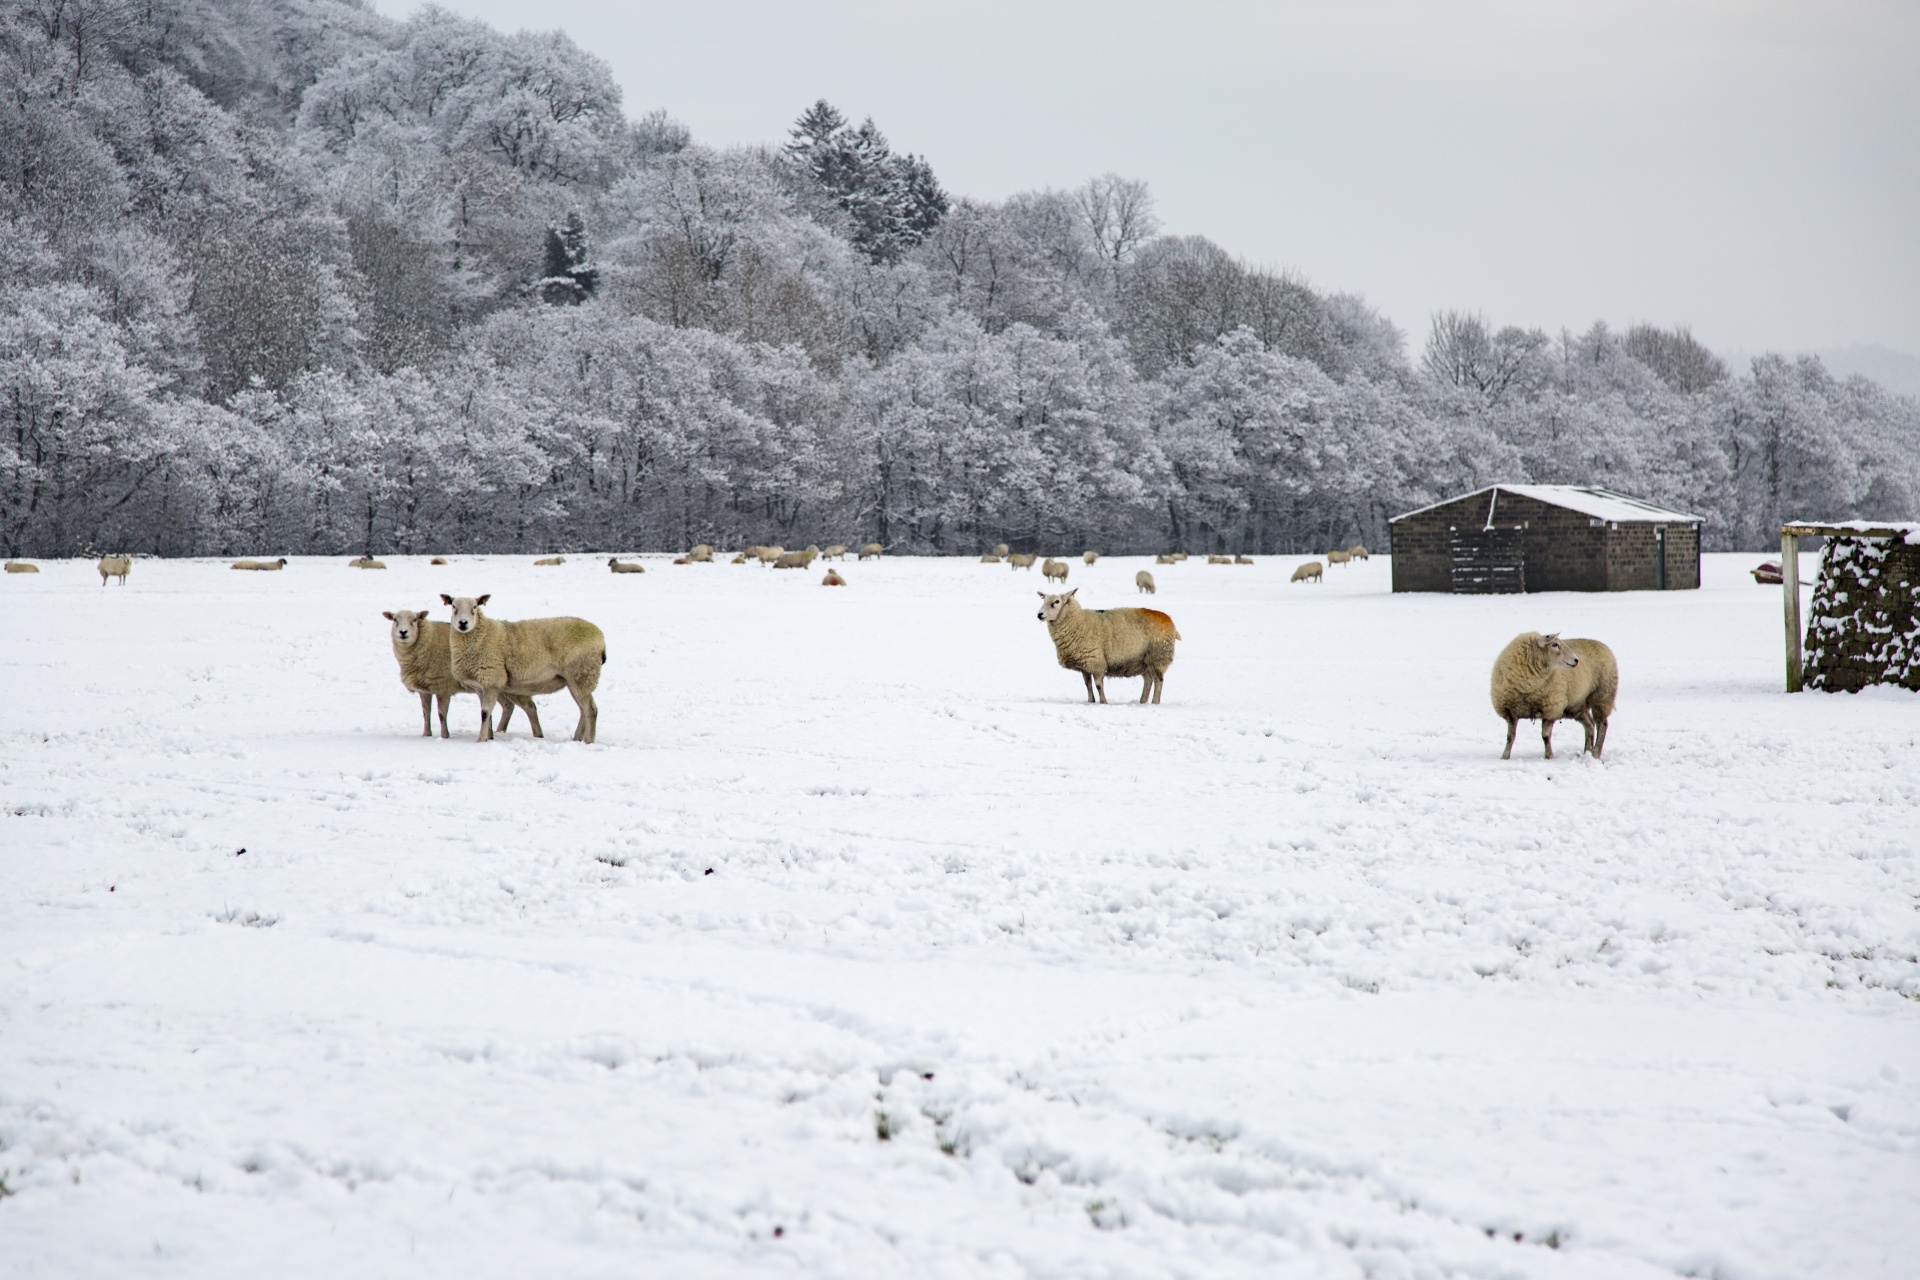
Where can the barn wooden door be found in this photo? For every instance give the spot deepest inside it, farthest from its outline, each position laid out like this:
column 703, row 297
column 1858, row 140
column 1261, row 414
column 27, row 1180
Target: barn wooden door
column 1489, row 561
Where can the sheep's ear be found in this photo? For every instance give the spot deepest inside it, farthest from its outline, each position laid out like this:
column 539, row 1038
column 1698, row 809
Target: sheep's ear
column 388, row 616
column 1071, row 594
column 483, row 599
column 1041, row 594
column 445, row 598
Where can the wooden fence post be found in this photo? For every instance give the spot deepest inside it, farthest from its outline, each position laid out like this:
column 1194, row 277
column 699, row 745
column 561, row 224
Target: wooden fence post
column 1790, row 587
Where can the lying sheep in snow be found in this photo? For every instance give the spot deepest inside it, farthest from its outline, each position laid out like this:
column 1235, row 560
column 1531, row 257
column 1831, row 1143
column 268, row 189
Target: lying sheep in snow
column 421, row 647
column 438, row 560
column 833, row 579
column 1243, row 559
column 1054, row 569
column 1311, row 571
column 617, row 565
column 115, row 567
column 989, row 559
column 1110, row 642
column 365, row 562
column 265, row 566
column 1019, row 561
column 1546, row 678
column 21, row 566
column 1165, row 560
column 701, row 554
column 550, row 560
column 1219, row 559
column 1142, row 580
column 873, row 549
column 538, row 655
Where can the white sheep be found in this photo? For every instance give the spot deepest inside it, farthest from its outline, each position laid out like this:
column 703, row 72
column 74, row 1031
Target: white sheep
column 533, row 656
column 1142, row 580
column 872, row 549
column 833, row 579
column 1165, row 560
column 546, row 561
column 702, row 553
column 1019, row 561
column 1311, row 571
column 21, row 566
column 1243, row 559
column 795, row 559
column 365, row 562
column 1110, row 642
column 1219, row 559
column 768, row 555
column 1546, row 678
column 115, row 567
column 1338, row 557
column 1001, row 550
column 262, row 566
column 617, row 565
column 835, row 552
column 989, row 559
column 1357, row 552
column 1089, row 557
column 425, row 655
column 1054, row 569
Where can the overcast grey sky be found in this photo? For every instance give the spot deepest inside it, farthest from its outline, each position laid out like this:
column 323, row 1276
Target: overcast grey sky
column 1746, row 167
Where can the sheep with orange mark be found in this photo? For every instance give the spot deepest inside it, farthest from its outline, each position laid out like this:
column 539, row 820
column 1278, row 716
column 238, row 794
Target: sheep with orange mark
column 1110, row 642
column 503, row 660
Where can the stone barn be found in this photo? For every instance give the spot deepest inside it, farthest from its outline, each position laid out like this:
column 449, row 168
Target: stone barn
column 1545, row 537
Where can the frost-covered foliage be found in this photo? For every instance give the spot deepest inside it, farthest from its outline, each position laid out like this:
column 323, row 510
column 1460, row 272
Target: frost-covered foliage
column 287, row 275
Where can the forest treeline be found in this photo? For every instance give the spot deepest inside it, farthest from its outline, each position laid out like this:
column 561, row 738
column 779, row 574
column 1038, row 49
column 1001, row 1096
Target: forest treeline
column 288, row 276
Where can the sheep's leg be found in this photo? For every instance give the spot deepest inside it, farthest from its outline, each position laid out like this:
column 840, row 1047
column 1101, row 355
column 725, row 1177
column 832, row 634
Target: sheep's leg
column 487, row 700
column 1159, row 683
column 1100, row 683
column 1546, row 734
column 507, row 703
column 582, row 698
column 1513, row 727
column 1088, row 677
column 533, row 716
column 446, row 700
column 426, row 712
column 1599, row 735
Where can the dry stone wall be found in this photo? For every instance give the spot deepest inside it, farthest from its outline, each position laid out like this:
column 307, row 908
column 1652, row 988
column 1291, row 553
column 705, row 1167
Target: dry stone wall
column 1865, row 627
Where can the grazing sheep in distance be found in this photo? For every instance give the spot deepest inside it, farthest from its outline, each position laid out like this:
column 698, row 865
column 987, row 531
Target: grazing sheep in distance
column 115, row 567
column 795, row 560
column 1165, row 560
column 989, row 559
column 1338, row 557
column 834, row 552
column 365, row 562
column 1001, row 551
column 1219, row 559
column 1308, row 572
column 421, row 648
column 1110, row 642
column 1243, row 559
column 551, row 560
column 21, row 566
column 264, row 566
column 1019, row 561
column 1546, row 678
column 767, row 555
column 539, row 655
column 1357, row 552
column 701, row 554
column 1142, row 580
column 833, row 579
column 1054, row 569
column 617, row 565
column 873, row 549
column 1089, row 557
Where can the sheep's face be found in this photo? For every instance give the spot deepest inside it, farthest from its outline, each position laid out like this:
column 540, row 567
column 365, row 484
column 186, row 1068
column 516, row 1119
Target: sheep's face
column 1051, row 607
column 1555, row 654
column 407, row 625
column 466, row 611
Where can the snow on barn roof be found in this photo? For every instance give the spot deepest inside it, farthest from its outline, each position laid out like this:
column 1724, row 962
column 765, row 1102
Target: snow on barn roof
column 1601, row 504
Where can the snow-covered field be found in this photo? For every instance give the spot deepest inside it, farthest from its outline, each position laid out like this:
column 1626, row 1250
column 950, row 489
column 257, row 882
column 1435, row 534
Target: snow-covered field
column 860, row 946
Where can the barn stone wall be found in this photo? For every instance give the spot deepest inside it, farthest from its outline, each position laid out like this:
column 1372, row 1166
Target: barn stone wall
column 1565, row 550
column 1865, row 627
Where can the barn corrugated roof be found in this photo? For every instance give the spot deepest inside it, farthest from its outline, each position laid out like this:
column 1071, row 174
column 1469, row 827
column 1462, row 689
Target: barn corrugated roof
column 1601, row 504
